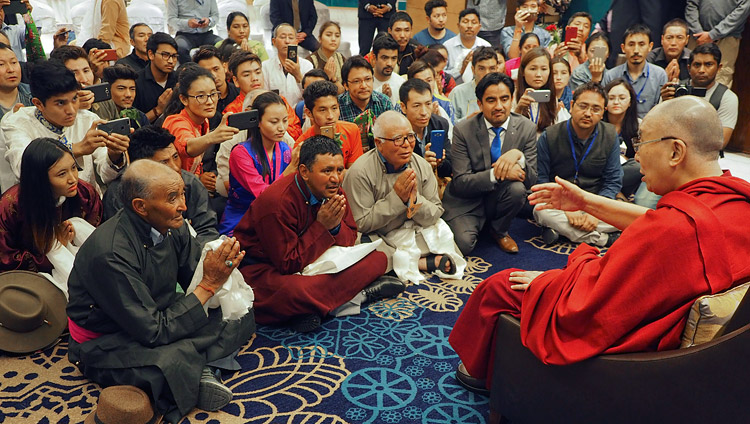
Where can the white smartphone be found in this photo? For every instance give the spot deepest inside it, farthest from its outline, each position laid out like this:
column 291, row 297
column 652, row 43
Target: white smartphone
column 540, row 96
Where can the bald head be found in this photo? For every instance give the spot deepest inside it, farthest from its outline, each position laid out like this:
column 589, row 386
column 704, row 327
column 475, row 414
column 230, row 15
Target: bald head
column 387, row 121
column 141, row 178
column 691, row 119
column 250, row 97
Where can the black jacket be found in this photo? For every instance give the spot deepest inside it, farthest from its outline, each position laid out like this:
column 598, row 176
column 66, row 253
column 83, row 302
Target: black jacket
column 363, row 14
column 281, row 12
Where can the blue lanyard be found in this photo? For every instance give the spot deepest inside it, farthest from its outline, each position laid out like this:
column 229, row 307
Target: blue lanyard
column 576, row 163
column 531, row 115
column 631, row 82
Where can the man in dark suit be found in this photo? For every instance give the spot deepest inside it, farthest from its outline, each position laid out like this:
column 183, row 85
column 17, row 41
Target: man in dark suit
column 373, row 14
column 491, row 173
column 416, row 105
column 301, row 15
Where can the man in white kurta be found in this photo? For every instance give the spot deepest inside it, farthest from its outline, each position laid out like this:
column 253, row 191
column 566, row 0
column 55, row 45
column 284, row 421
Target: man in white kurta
column 393, row 195
column 56, row 115
column 280, row 72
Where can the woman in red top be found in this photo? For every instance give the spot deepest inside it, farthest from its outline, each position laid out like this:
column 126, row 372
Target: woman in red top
column 193, row 103
column 34, row 213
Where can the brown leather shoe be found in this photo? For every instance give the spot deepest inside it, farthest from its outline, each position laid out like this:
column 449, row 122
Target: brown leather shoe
column 507, row 244
column 470, row 383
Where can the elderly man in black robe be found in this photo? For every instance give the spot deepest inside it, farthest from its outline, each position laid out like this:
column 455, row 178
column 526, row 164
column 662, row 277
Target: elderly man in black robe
column 129, row 325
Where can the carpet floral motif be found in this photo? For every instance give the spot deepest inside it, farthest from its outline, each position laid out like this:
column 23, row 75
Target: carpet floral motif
column 392, row 363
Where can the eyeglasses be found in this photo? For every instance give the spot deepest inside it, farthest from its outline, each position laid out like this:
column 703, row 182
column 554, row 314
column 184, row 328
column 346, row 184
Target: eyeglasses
column 583, row 107
column 402, row 139
column 203, row 98
column 637, row 143
column 167, row 56
column 366, row 81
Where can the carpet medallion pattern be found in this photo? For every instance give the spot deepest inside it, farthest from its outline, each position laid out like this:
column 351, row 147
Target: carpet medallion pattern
column 390, row 364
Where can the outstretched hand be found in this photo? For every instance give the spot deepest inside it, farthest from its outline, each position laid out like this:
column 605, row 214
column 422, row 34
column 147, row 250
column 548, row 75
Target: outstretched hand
column 562, row 195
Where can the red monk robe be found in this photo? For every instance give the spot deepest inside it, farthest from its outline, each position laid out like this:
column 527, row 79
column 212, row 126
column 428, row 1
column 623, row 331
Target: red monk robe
column 281, row 237
column 635, row 298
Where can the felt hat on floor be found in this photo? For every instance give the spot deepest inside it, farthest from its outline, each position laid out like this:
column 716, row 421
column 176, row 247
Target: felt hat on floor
column 123, row 405
column 32, row 312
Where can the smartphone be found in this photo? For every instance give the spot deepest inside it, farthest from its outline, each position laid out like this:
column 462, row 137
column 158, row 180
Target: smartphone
column 291, row 52
column 327, row 131
column 571, row 33
column 437, row 140
column 243, row 120
column 15, row 7
column 101, row 92
column 111, row 55
column 117, row 126
column 600, row 52
column 540, row 96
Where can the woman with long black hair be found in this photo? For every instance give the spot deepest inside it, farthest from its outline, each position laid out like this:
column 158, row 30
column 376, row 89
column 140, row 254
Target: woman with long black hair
column 622, row 112
column 35, row 213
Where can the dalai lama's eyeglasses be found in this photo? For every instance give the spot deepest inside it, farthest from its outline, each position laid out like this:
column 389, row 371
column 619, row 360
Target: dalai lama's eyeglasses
column 637, row 143
column 401, row 140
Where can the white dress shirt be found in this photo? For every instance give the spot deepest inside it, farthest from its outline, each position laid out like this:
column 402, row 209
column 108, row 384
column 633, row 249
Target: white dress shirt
column 491, row 132
column 276, row 79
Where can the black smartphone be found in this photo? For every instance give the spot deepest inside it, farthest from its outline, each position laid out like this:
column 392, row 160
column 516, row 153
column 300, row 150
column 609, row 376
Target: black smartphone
column 291, row 52
column 101, row 92
column 12, row 9
column 243, row 120
column 437, row 140
column 116, row 126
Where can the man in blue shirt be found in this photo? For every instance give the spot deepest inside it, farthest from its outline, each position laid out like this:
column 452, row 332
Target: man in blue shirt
column 586, row 152
column 645, row 78
column 436, row 32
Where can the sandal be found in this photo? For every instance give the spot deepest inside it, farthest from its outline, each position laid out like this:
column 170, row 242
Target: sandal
column 430, row 259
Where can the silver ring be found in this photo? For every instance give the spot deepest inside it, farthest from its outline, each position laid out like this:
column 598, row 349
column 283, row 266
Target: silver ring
column 228, row 264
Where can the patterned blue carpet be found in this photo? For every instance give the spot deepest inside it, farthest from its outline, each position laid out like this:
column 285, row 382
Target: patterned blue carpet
column 390, row 364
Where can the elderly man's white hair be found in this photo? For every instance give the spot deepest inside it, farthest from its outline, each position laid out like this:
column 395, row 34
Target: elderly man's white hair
column 387, row 120
column 250, row 97
column 281, row 25
column 692, row 120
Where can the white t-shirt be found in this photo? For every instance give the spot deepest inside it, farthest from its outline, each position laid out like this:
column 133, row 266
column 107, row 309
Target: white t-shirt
column 17, row 130
column 728, row 108
column 394, row 82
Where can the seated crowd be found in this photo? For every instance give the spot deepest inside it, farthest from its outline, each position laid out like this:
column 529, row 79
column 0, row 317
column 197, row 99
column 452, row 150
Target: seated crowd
column 397, row 160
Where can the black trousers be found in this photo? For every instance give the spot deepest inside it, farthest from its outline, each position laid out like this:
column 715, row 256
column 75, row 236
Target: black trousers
column 186, row 41
column 367, row 29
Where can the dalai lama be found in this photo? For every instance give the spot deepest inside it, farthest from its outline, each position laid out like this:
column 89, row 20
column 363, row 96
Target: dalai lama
column 636, row 297
column 293, row 223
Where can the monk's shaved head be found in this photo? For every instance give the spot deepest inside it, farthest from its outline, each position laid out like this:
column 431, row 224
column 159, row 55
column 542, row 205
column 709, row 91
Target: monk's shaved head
column 690, row 119
column 141, row 177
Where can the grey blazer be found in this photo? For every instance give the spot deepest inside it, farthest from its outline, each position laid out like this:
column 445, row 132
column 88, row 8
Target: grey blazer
column 472, row 163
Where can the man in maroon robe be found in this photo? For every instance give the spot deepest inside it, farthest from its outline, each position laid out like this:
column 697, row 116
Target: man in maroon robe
column 637, row 296
column 292, row 224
